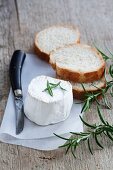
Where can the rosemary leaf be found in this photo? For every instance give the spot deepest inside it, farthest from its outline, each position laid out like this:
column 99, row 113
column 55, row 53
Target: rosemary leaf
column 110, row 137
column 100, row 116
column 69, row 145
column 89, row 146
column 48, row 84
column 54, row 85
column 87, row 124
column 49, row 89
column 61, row 137
column 109, row 51
column 73, row 151
column 45, row 89
column 86, row 106
column 111, row 70
column 107, row 104
column 62, row 88
column 81, row 134
column 97, row 142
column 83, row 87
column 65, row 145
column 111, row 91
column 105, row 57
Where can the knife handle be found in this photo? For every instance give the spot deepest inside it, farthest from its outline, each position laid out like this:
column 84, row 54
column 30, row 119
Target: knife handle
column 15, row 70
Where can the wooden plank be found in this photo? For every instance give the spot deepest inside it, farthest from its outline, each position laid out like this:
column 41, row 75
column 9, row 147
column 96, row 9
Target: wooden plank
column 19, row 21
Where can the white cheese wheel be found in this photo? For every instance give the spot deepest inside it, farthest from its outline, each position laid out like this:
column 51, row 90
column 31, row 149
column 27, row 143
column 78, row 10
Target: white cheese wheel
column 44, row 109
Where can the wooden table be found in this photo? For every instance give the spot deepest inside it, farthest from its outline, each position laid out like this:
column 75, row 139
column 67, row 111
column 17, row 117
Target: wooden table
column 19, row 21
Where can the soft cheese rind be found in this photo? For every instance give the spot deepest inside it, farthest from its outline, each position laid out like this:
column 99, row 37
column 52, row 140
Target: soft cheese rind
column 44, row 109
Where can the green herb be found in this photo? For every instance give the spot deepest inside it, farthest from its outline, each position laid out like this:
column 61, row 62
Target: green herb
column 51, row 86
column 94, row 130
column 90, row 97
column 62, row 88
column 93, row 96
column 105, row 57
column 111, row 70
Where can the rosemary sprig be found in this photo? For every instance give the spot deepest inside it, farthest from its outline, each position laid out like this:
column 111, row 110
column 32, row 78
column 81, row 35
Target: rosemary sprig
column 94, row 131
column 90, row 97
column 51, row 86
column 93, row 96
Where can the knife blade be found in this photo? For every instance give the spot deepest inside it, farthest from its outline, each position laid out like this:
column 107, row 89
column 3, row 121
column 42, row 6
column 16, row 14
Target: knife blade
column 15, row 70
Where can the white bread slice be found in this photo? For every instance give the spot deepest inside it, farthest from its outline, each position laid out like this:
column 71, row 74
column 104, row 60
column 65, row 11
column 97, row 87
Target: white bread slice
column 78, row 91
column 78, row 63
column 54, row 37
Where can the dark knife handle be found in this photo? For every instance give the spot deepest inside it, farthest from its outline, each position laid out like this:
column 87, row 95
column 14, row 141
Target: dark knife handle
column 15, row 70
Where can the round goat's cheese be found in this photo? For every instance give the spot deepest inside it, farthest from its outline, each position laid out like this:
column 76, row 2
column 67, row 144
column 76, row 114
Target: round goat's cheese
column 45, row 108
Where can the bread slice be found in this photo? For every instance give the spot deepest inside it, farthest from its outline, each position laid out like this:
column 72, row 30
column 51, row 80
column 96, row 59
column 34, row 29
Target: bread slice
column 53, row 38
column 79, row 92
column 78, row 63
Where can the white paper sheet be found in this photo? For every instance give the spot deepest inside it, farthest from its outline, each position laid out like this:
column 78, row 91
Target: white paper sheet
column 46, row 144
column 37, row 136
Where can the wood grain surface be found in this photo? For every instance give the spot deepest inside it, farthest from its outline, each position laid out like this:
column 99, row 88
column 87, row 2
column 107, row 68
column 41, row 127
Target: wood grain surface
column 19, row 22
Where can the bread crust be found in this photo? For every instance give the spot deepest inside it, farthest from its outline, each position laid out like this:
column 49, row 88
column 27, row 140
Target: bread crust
column 41, row 54
column 80, row 93
column 45, row 56
column 78, row 76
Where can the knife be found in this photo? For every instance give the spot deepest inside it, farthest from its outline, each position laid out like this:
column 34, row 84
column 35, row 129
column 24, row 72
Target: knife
column 15, row 70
